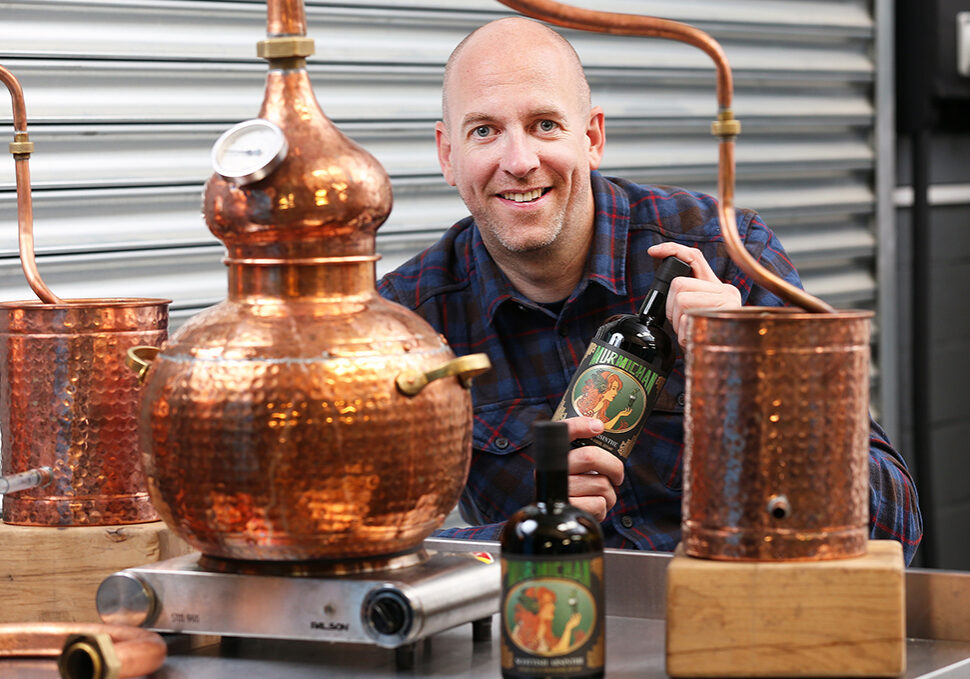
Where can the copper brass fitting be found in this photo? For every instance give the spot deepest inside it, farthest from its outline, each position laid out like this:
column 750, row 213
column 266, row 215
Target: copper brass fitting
column 86, row 651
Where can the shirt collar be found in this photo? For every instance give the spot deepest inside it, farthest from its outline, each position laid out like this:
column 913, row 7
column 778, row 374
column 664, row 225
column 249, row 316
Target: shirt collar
column 605, row 264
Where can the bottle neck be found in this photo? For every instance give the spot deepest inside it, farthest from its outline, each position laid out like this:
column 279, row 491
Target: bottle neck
column 552, row 486
column 654, row 305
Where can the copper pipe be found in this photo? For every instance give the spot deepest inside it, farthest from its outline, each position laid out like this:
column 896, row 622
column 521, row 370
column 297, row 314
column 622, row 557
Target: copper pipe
column 285, row 18
column 34, row 478
column 83, row 649
column 726, row 127
column 21, row 149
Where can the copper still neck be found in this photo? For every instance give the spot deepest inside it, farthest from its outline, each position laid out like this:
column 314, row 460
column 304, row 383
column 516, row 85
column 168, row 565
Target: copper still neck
column 327, row 198
column 311, row 281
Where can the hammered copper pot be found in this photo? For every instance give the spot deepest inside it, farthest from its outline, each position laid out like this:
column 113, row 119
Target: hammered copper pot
column 304, row 418
column 776, row 435
column 68, row 402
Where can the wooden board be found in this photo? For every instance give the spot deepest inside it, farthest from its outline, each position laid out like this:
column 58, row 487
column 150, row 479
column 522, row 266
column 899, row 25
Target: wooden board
column 51, row 574
column 787, row 619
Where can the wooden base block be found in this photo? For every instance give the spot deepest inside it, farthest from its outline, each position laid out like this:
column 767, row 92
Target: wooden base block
column 787, row 619
column 51, row 574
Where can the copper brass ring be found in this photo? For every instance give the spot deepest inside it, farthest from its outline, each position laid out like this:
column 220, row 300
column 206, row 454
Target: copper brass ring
column 86, row 651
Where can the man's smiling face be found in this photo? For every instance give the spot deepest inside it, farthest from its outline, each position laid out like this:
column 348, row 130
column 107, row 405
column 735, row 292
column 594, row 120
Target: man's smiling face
column 519, row 138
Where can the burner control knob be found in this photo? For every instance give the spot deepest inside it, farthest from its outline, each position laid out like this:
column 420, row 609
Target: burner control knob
column 124, row 598
column 388, row 616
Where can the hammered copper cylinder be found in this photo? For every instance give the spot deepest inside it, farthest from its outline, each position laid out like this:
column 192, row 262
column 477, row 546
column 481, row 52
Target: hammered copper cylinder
column 68, row 402
column 776, row 435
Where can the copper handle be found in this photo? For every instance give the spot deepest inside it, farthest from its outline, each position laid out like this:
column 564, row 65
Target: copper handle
column 726, row 128
column 411, row 382
column 140, row 358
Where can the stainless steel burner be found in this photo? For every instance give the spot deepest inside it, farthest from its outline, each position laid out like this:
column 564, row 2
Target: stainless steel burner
column 391, row 608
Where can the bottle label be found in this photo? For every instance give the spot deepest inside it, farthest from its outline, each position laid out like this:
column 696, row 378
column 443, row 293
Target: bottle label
column 617, row 388
column 552, row 615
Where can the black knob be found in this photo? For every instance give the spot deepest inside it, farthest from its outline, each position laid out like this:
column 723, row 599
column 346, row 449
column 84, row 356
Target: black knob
column 389, row 614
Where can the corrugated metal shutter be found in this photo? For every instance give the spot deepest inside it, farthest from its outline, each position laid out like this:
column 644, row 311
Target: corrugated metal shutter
column 125, row 97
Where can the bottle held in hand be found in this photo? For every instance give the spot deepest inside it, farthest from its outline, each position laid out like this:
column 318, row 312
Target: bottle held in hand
column 625, row 368
column 552, row 610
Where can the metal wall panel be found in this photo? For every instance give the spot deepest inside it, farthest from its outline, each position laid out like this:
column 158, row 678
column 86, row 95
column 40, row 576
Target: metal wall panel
column 125, row 98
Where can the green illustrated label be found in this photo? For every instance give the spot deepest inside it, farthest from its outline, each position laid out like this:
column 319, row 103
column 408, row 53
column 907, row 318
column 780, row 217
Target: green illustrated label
column 618, row 389
column 552, row 615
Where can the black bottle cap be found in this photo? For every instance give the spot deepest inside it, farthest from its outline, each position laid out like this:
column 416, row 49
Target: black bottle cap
column 551, row 445
column 671, row 268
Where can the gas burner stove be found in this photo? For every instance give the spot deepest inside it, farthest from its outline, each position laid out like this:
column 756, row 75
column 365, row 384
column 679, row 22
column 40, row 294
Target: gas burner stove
column 391, row 608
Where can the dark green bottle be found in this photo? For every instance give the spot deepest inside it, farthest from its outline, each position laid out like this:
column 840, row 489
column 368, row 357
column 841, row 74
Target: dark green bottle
column 625, row 368
column 552, row 576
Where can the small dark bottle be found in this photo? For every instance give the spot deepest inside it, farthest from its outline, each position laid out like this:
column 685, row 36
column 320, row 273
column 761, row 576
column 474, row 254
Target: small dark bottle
column 552, row 576
column 624, row 369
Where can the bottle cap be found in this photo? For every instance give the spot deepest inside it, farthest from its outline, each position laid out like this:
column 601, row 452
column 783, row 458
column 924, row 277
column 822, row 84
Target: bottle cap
column 671, row 268
column 551, row 445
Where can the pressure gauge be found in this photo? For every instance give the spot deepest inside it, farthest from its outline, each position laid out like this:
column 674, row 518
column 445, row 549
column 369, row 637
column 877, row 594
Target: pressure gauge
column 249, row 151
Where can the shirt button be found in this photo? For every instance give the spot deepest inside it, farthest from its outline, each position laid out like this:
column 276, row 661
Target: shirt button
column 501, row 443
column 681, row 399
column 626, row 521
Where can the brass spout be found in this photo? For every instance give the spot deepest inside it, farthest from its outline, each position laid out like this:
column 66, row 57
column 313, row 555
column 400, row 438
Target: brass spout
column 21, row 148
column 726, row 127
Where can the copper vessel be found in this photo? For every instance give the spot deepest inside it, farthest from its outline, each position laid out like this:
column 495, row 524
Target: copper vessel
column 777, row 447
column 304, row 419
column 67, row 401
column 776, row 423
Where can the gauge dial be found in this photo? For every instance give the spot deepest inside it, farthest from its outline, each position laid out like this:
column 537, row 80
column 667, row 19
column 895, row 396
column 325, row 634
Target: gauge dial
column 249, row 151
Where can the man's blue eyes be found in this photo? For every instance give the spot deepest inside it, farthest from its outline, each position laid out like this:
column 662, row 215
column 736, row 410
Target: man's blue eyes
column 483, row 131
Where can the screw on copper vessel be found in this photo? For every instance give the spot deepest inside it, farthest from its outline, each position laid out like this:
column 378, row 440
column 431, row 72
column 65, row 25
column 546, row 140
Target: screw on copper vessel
column 66, row 401
column 276, row 436
column 777, row 435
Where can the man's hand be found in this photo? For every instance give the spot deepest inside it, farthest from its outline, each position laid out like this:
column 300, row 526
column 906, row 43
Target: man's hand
column 593, row 472
column 703, row 291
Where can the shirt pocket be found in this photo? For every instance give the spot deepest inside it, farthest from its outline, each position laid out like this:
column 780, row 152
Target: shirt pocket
column 506, row 427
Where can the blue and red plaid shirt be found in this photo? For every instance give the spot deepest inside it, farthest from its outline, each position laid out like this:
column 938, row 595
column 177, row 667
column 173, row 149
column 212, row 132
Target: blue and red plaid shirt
column 457, row 287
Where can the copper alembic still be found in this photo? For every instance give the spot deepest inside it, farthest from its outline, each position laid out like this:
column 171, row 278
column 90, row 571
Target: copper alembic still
column 304, row 435
column 775, row 461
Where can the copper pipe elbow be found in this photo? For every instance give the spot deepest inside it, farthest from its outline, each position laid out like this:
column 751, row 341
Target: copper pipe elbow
column 86, row 651
column 726, row 128
column 21, row 148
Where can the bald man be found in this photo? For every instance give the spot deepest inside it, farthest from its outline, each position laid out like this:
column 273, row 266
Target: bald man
column 552, row 248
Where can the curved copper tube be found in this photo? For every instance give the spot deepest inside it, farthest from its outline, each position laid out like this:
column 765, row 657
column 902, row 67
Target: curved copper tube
column 25, row 213
column 726, row 127
column 138, row 651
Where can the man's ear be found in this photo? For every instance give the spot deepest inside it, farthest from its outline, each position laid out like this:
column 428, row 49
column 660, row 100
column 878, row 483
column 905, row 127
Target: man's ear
column 596, row 133
column 443, row 143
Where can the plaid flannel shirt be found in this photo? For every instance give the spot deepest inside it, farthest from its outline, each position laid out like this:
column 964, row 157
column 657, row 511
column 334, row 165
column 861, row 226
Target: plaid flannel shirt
column 457, row 287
